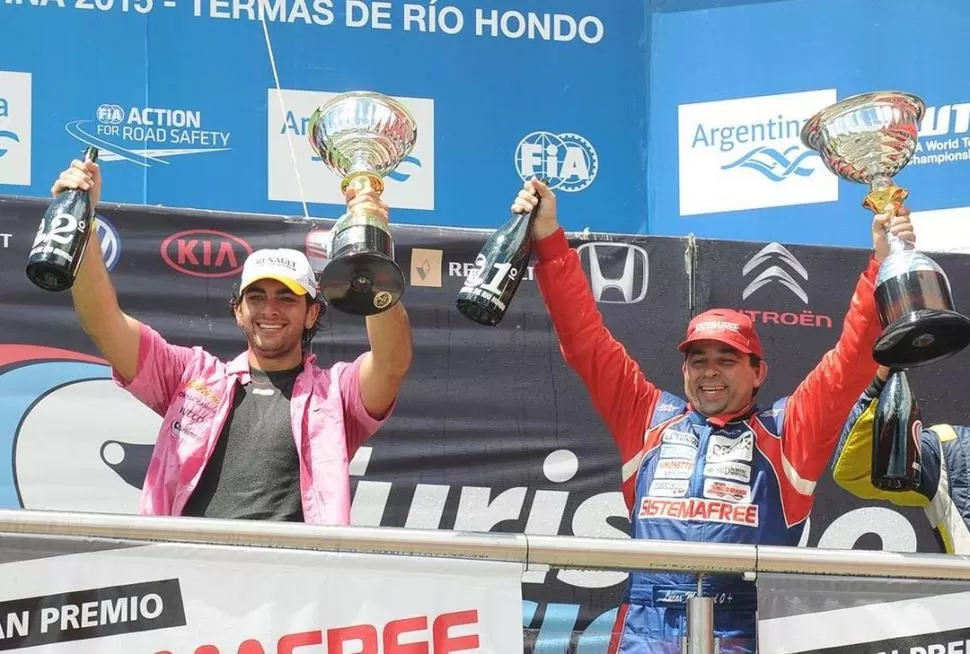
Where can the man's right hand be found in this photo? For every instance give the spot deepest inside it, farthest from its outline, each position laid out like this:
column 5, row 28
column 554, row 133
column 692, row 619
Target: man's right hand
column 84, row 175
column 545, row 222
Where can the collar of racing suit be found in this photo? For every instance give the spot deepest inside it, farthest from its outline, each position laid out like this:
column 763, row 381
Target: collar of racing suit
column 723, row 419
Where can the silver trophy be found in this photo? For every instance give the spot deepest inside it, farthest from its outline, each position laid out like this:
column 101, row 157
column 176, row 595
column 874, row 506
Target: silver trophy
column 362, row 136
column 869, row 138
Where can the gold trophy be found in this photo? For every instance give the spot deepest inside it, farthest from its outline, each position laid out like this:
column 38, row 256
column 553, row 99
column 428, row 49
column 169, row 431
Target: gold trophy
column 362, row 136
column 868, row 138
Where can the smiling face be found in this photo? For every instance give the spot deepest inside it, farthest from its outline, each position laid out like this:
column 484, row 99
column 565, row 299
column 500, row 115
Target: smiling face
column 273, row 318
column 718, row 379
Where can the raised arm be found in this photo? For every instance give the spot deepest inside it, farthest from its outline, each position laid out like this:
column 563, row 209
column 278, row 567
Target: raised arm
column 816, row 412
column 384, row 368
column 141, row 360
column 622, row 395
column 115, row 334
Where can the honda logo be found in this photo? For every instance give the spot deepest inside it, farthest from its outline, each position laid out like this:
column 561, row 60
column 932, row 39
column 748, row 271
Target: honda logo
column 617, row 271
column 775, row 272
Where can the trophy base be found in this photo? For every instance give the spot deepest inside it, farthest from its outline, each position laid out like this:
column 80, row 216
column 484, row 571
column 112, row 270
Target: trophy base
column 922, row 337
column 49, row 277
column 362, row 283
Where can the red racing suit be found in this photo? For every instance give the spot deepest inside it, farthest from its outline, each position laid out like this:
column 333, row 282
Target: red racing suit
column 748, row 478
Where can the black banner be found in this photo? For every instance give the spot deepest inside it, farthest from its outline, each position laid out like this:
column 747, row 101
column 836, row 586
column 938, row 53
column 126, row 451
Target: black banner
column 493, row 432
column 91, row 613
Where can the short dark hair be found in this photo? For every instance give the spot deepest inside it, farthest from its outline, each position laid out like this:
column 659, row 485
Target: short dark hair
column 235, row 298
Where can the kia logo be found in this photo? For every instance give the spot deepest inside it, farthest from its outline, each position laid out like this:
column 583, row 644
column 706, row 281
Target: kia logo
column 205, row 253
column 618, row 272
column 775, row 273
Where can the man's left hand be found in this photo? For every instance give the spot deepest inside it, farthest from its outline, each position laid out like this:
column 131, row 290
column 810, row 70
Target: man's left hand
column 368, row 200
column 899, row 224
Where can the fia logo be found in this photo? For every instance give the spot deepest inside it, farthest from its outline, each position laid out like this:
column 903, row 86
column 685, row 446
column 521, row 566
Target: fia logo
column 568, row 161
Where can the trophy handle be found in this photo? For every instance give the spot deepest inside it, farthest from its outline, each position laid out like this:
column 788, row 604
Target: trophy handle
column 886, row 197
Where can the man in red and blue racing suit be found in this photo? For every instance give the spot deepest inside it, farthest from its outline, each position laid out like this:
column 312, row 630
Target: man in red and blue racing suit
column 714, row 467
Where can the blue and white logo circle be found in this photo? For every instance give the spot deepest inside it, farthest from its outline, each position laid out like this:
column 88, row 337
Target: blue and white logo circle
column 567, row 161
column 110, row 242
column 111, row 114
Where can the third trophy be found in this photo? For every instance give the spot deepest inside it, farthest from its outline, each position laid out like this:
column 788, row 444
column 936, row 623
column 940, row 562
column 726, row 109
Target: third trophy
column 869, row 138
column 362, row 136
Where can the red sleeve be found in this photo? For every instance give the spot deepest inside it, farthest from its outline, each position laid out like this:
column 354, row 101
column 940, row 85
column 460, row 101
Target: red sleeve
column 624, row 398
column 817, row 410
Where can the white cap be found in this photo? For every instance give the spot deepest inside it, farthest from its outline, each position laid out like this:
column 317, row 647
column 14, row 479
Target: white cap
column 289, row 267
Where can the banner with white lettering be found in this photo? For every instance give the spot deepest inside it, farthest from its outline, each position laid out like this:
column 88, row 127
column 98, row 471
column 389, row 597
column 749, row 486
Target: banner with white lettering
column 493, row 431
column 201, row 599
column 803, row 614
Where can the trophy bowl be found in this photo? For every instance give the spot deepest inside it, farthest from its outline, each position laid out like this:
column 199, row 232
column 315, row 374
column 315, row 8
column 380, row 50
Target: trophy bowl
column 868, row 139
column 362, row 136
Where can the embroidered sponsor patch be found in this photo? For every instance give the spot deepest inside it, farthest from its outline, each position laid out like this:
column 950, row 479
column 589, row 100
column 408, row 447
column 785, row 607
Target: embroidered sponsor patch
column 674, row 469
column 728, row 470
column 699, row 509
column 722, row 448
column 669, row 487
column 727, row 490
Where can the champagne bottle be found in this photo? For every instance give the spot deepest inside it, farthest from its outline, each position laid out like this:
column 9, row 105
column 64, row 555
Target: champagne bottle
column 499, row 268
column 61, row 238
column 896, row 436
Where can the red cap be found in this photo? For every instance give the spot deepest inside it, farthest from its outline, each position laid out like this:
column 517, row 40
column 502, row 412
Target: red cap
column 725, row 326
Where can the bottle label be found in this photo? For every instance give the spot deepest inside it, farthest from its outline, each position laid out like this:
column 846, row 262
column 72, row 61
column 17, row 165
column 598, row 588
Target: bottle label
column 59, row 236
column 491, row 279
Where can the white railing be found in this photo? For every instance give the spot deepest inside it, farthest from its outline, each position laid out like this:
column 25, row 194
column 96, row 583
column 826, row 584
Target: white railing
column 529, row 550
column 554, row 551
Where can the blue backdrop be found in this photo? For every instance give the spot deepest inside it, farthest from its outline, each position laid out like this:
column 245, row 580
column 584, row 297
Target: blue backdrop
column 651, row 116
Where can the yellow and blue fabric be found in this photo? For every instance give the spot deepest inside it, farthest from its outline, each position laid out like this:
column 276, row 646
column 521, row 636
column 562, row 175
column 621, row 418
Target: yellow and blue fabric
column 944, row 489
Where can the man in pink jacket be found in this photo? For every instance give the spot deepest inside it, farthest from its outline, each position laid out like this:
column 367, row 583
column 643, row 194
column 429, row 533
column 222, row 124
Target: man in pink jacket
column 268, row 435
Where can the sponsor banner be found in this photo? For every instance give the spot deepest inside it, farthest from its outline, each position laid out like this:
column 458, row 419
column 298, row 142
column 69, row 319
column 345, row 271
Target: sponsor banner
column 222, row 124
column 15, row 128
column 861, row 615
column 175, row 598
column 493, row 431
column 288, row 137
column 729, row 114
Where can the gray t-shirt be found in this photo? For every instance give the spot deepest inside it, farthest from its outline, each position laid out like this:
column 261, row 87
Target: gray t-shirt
column 254, row 471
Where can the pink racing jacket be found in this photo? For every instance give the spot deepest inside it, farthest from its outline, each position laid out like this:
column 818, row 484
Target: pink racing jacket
column 193, row 392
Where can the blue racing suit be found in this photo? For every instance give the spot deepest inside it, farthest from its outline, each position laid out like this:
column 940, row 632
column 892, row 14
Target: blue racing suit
column 747, row 478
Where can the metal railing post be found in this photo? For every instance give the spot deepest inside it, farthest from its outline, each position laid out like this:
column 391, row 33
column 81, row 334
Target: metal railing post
column 700, row 622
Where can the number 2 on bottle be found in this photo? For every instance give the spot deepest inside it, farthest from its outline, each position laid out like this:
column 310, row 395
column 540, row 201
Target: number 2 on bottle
column 63, row 226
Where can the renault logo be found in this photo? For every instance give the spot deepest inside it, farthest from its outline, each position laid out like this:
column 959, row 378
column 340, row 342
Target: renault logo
column 618, row 272
column 775, row 273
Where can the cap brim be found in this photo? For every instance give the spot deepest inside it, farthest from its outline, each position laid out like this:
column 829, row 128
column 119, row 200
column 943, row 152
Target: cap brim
column 715, row 337
column 285, row 281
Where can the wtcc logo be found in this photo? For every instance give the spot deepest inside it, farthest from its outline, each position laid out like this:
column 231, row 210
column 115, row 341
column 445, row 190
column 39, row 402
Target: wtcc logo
column 15, row 111
column 746, row 153
column 568, row 162
column 409, row 186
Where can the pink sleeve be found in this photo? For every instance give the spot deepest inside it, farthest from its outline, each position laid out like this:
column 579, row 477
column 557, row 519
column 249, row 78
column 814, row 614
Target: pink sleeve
column 158, row 372
column 360, row 424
